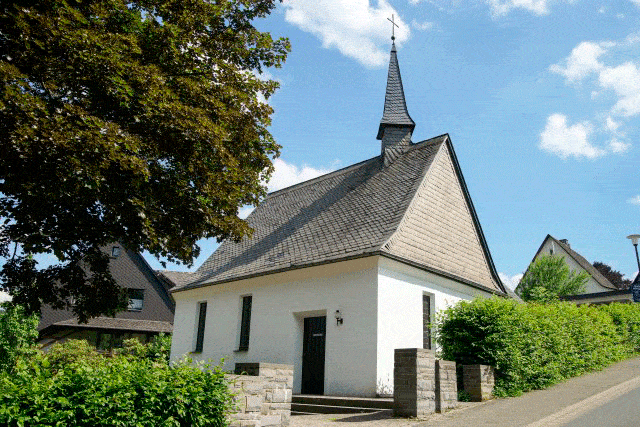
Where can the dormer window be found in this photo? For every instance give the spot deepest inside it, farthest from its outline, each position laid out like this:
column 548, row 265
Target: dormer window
column 136, row 299
column 115, row 251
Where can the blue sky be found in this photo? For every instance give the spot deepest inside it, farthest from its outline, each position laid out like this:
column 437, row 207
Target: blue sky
column 541, row 99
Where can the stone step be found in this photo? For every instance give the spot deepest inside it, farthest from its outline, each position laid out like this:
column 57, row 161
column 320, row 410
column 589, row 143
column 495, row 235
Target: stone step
column 359, row 402
column 306, row 409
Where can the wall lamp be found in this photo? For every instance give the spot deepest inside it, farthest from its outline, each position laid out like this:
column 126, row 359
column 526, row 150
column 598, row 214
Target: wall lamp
column 339, row 318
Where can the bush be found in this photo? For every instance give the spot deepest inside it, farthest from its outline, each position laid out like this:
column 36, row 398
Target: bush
column 535, row 345
column 18, row 334
column 73, row 385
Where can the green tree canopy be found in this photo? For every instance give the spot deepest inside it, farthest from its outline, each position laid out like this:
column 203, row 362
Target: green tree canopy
column 550, row 277
column 614, row 276
column 137, row 121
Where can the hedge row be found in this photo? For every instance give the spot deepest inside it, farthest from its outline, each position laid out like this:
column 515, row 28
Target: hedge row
column 535, row 345
column 73, row 385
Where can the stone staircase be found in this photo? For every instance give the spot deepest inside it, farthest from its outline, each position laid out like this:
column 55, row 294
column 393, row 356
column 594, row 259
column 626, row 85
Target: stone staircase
column 303, row 404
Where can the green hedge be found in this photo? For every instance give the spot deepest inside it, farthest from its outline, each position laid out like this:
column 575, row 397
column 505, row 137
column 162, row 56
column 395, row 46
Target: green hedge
column 73, row 385
column 535, row 345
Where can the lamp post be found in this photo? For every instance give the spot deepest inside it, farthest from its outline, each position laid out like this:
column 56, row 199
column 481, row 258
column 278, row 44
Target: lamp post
column 634, row 240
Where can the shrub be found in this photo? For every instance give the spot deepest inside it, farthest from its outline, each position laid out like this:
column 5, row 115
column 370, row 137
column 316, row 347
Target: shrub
column 548, row 278
column 73, row 385
column 535, row 345
column 18, row 334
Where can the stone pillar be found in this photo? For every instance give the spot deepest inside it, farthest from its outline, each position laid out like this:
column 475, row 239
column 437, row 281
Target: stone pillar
column 446, row 385
column 263, row 397
column 414, row 382
column 478, row 381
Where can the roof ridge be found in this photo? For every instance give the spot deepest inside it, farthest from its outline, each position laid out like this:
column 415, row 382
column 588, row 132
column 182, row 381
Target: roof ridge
column 321, row 177
column 585, row 264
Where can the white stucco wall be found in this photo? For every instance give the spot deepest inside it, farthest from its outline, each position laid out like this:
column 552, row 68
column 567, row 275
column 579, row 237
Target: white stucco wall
column 591, row 286
column 400, row 290
column 280, row 302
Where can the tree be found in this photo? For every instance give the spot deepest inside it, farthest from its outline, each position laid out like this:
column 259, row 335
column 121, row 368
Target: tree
column 614, row 276
column 136, row 121
column 550, row 277
column 18, row 334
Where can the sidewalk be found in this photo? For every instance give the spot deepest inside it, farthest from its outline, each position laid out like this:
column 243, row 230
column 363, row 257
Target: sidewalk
column 552, row 406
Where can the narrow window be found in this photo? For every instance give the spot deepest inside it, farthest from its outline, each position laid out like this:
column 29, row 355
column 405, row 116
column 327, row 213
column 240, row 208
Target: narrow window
column 426, row 322
column 202, row 317
column 245, row 323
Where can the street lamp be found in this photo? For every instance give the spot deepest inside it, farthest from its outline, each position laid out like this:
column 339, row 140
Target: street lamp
column 634, row 240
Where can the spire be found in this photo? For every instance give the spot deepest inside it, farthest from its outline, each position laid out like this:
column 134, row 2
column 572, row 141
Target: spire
column 395, row 108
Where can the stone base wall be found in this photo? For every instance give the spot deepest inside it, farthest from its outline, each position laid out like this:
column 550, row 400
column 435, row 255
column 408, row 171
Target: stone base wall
column 446, row 385
column 414, row 388
column 478, row 381
column 263, row 397
column 422, row 385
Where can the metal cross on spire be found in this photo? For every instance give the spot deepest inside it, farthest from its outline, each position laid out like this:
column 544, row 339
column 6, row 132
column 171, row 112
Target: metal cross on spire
column 393, row 34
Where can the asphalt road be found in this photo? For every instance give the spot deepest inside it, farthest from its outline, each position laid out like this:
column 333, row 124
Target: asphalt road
column 620, row 412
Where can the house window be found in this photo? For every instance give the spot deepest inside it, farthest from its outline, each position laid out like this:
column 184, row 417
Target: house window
column 202, row 317
column 426, row 321
column 245, row 323
column 136, row 299
column 115, row 251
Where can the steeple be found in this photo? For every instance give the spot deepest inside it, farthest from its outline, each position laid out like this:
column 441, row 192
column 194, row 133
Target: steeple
column 396, row 125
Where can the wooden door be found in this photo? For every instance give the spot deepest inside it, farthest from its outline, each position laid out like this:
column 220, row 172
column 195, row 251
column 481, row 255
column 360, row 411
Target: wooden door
column 313, row 355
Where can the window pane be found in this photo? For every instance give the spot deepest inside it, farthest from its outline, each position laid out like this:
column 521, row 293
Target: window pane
column 136, row 299
column 246, row 323
column 426, row 321
column 202, row 316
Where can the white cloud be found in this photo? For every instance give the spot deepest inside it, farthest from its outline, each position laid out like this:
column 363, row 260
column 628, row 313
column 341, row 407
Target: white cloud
column 634, row 200
column 502, row 7
column 611, row 125
column 617, row 146
column 354, row 27
column 583, row 60
column 624, row 80
column 286, row 174
column 422, row 26
column 510, row 282
column 566, row 141
column 4, row 297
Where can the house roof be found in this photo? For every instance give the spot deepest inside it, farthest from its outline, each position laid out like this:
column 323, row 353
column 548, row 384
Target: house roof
column 349, row 213
column 582, row 262
column 129, row 270
column 395, row 107
column 111, row 323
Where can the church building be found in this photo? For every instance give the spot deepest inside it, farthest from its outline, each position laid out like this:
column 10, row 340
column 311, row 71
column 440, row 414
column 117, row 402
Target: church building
column 344, row 268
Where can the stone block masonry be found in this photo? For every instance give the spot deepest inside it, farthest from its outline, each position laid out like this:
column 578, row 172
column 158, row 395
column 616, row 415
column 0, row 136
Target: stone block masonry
column 446, row 385
column 263, row 397
column 422, row 385
column 478, row 381
column 414, row 386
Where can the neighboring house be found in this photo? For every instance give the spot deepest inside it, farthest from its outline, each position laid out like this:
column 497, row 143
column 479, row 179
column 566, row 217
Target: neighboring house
column 344, row 268
column 598, row 288
column 150, row 309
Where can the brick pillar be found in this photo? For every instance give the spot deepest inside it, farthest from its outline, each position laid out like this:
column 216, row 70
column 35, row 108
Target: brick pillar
column 414, row 382
column 478, row 381
column 446, row 385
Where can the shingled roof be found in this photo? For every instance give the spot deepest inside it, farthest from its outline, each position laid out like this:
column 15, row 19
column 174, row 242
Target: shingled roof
column 395, row 107
column 351, row 213
column 582, row 262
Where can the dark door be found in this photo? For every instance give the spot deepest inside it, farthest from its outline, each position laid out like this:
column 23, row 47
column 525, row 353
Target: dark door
column 313, row 355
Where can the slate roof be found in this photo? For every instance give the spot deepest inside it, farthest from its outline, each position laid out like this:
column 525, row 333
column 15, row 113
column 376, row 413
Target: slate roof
column 129, row 270
column 582, row 262
column 111, row 323
column 345, row 214
column 395, row 107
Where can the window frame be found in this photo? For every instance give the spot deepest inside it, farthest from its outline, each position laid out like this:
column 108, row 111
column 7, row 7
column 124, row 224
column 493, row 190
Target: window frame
column 246, row 306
